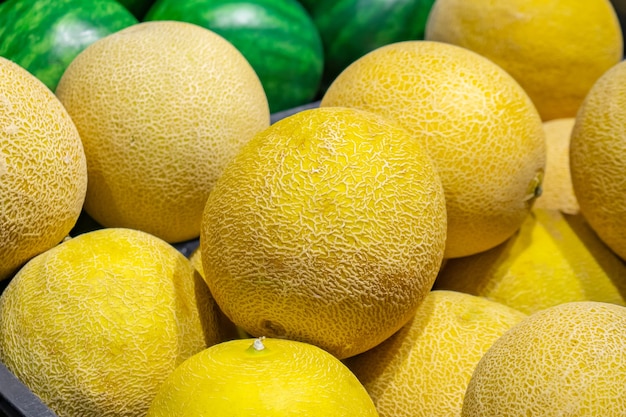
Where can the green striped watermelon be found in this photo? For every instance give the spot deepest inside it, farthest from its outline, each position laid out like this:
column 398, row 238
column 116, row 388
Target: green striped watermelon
column 277, row 37
column 308, row 4
column 351, row 28
column 138, row 8
column 44, row 36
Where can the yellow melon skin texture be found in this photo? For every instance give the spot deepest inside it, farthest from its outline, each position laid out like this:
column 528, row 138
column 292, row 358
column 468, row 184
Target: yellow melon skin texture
column 94, row 325
column 567, row 360
column 554, row 258
column 557, row 191
column 196, row 260
column 232, row 331
column 478, row 125
column 43, row 171
column 161, row 108
column 424, row 368
column 328, row 228
column 556, row 49
column 264, row 378
column 597, row 161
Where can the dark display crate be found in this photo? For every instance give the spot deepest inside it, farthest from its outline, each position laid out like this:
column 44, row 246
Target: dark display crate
column 16, row 400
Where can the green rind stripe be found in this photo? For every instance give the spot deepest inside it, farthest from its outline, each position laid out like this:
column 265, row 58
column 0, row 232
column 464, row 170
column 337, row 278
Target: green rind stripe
column 278, row 38
column 44, row 36
column 351, row 28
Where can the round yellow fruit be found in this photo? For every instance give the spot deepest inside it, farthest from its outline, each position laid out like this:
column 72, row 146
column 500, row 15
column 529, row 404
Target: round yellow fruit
column 557, row 191
column 424, row 368
column 94, row 325
column 43, row 171
column 328, row 228
column 556, row 49
column 262, row 377
column 567, row 360
column 598, row 158
column 196, row 260
column 553, row 259
column 161, row 108
column 232, row 331
column 478, row 125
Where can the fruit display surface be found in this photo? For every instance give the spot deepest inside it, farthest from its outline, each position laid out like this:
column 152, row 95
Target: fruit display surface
column 16, row 400
column 327, row 231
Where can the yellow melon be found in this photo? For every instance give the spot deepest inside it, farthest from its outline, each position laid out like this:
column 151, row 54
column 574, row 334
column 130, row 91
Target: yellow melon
column 598, row 158
column 94, row 325
column 161, row 108
column 557, row 191
column 553, row 259
column 424, row 368
column 567, row 360
column 233, row 331
column 479, row 126
column 262, row 377
column 43, row 172
column 556, row 49
column 196, row 260
column 328, row 228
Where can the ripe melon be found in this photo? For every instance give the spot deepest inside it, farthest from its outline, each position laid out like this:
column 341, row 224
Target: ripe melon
column 555, row 49
column 327, row 228
column 278, row 38
column 94, row 325
column 557, row 191
column 43, row 172
column 233, row 332
column 424, row 368
column 161, row 108
column 554, row 258
column 598, row 158
column 196, row 260
column 479, row 126
column 262, row 377
column 567, row 360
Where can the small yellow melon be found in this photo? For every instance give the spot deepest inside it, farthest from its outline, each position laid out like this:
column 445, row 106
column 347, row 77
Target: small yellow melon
column 557, row 191
column 554, row 258
column 567, row 360
column 43, row 171
column 233, row 332
column 161, row 108
column 328, row 228
column 556, row 49
column 196, row 260
column 94, row 325
column 424, row 368
column 262, row 377
column 479, row 126
column 598, row 158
